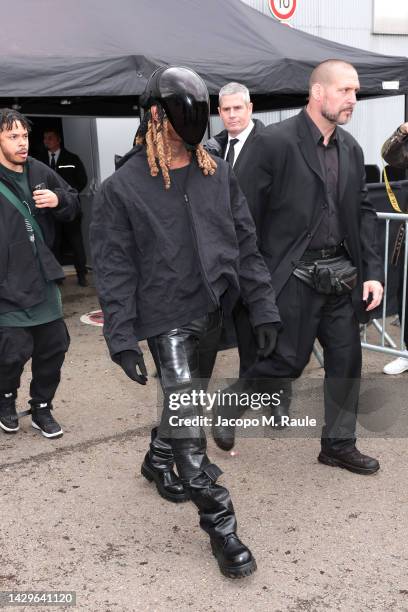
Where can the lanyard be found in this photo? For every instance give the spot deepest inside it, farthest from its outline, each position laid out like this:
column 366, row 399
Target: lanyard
column 391, row 194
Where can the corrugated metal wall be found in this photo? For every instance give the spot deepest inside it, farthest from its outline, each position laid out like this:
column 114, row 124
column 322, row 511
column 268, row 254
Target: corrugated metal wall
column 349, row 22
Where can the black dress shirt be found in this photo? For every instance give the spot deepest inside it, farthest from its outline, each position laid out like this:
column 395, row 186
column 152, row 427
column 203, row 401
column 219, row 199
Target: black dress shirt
column 330, row 232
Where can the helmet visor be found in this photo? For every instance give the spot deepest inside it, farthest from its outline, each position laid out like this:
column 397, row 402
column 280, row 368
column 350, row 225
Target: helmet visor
column 185, row 99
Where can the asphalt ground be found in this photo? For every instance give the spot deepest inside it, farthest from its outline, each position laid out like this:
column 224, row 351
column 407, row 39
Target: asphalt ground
column 77, row 515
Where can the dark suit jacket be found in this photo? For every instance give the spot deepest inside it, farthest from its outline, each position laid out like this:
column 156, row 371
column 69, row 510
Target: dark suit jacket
column 218, row 144
column 287, row 193
column 70, row 167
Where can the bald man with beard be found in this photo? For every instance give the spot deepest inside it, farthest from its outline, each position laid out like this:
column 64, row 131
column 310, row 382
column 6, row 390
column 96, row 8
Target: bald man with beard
column 316, row 230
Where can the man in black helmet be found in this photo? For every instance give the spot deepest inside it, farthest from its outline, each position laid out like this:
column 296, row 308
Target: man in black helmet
column 170, row 252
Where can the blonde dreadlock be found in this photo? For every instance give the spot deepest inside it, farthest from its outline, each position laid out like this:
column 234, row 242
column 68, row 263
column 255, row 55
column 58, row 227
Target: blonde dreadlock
column 207, row 164
column 155, row 136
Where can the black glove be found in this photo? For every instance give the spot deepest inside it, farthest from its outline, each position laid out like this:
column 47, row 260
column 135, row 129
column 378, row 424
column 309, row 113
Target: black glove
column 128, row 361
column 266, row 336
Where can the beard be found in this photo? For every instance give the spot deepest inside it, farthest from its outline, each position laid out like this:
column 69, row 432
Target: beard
column 335, row 117
column 13, row 159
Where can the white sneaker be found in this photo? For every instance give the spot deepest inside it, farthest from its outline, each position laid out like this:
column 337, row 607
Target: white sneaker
column 398, row 366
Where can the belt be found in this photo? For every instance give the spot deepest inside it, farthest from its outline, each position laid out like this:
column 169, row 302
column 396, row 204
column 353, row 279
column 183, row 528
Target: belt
column 312, row 254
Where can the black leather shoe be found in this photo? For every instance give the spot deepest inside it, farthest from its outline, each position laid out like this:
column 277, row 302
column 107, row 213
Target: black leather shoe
column 234, row 558
column 224, row 435
column 167, row 482
column 278, row 412
column 350, row 459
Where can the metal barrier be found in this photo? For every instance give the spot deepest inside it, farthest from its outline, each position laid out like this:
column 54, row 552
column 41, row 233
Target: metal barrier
column 380, row 325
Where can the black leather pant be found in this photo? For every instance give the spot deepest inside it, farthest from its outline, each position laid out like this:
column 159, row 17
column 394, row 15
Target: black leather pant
column 184, row 358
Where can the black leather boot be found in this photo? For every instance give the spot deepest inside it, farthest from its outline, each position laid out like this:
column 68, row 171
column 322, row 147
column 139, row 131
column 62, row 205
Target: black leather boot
column 234, row 558
column 158, row 467
column 8, row 413
column 217, row 516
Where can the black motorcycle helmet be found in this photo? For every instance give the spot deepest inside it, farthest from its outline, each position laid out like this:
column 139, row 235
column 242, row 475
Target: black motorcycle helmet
column 184, row 98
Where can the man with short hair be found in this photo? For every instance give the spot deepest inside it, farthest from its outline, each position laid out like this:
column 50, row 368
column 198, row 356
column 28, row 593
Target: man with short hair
column 235, row 110
column 316, row 230
column 173, row 243
column 236, row 145
column 235, row 142
column 32, row 197
column 70, row 167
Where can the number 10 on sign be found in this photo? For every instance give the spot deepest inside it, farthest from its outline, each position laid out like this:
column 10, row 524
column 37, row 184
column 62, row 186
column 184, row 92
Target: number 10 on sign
column 282, row 9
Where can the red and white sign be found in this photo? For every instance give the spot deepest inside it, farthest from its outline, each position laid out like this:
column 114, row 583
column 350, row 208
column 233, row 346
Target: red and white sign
column 93, row 318
column 282, row 9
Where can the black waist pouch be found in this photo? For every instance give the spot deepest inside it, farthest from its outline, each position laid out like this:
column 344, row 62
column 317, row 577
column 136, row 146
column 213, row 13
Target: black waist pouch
column 332, row 276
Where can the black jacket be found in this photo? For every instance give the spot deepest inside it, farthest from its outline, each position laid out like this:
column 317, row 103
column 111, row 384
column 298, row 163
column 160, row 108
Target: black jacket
column 218, row 144
column 130, row 250
column 242, row 169
column 70, row 167
column 287, row 198
column 21, row 279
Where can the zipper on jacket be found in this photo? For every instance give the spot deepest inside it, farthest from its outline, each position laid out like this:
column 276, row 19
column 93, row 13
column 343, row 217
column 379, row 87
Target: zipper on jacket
column 206, row 283
column 28, row 207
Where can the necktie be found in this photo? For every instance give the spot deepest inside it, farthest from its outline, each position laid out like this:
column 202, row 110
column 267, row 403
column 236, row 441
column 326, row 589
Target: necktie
column 231, row 153
column 52, row 164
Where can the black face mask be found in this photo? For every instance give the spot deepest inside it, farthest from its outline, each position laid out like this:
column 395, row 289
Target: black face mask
column 184, row 98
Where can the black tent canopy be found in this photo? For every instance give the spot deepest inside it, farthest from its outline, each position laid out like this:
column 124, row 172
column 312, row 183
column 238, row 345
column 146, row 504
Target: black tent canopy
column 93, row 57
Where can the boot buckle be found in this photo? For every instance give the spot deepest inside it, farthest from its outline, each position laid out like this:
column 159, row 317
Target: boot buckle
column 212, row 471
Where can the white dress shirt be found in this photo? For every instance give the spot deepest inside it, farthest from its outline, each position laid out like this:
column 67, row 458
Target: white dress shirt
column 56, row 156
column 241, row 141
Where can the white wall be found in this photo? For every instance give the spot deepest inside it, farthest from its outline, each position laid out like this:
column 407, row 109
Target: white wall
column 115, row 137
column 79, row 137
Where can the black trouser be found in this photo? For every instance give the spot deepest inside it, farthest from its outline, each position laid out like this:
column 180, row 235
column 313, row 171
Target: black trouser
column 307, row 315
column 71, row 232
column 46, row 344
column 184, row 358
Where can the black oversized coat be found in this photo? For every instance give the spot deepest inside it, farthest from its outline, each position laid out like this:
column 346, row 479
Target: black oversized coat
column 131, row 249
